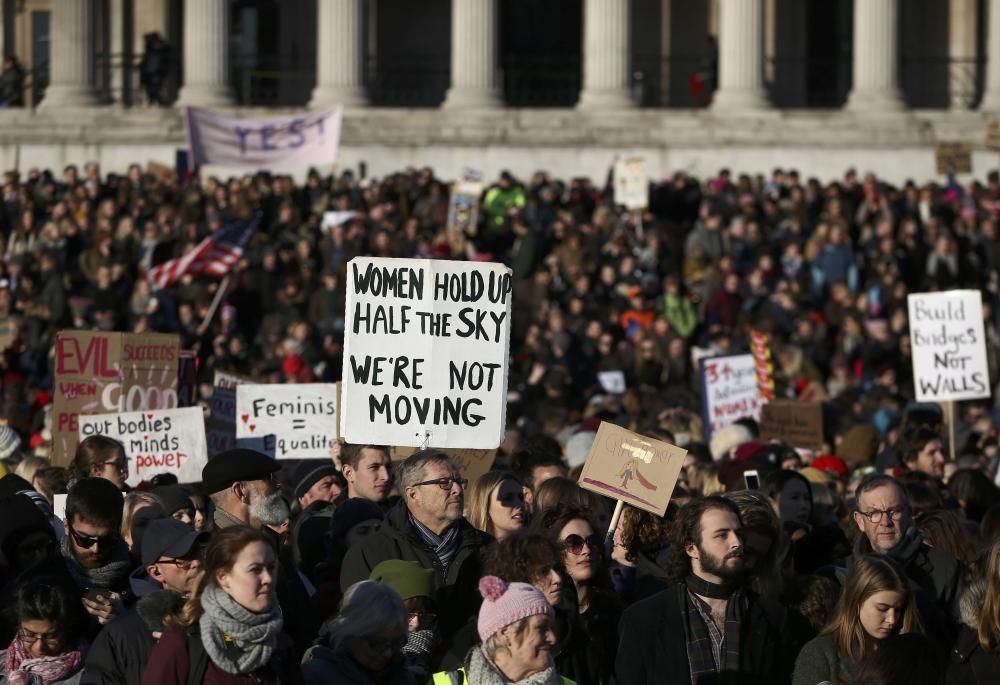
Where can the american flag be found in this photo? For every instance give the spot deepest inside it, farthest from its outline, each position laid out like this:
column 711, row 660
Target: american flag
column 214, row 255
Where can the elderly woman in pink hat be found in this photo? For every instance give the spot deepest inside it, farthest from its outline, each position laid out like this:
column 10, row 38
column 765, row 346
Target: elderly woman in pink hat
column 515, row 625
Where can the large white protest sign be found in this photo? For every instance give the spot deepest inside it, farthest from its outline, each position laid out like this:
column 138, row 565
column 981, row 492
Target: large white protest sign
column 425, row 353
column 729, row 390
column 948, row 346
column 631, row 183
column 159, row 441
column 285, row 142
column 302, row 417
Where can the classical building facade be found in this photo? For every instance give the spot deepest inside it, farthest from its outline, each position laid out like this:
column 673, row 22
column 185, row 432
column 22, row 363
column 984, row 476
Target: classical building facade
column 520, row 84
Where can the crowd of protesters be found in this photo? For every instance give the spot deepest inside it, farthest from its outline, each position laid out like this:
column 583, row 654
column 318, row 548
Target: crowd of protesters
column 873, row 560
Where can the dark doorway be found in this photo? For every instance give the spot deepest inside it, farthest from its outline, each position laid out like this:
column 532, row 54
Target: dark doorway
column 410, row 65
column 828, row 52
column 540, row 48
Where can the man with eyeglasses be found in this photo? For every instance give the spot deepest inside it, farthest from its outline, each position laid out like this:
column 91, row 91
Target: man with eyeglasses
column 96, row 557
column 885, row 520
column 427, row 526
column 171, row 564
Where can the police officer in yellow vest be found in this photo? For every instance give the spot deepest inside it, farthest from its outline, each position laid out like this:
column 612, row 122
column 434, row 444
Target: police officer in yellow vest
column 515, row 625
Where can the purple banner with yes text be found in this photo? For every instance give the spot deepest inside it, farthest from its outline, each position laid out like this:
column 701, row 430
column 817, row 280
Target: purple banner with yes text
column 288, row 142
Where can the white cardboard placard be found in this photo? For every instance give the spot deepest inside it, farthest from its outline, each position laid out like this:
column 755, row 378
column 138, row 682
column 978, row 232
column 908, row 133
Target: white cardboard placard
column 302, row 417
column 729, row 390
column 425, row 353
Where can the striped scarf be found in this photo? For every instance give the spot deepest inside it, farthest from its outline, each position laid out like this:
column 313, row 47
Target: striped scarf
column 444, row 546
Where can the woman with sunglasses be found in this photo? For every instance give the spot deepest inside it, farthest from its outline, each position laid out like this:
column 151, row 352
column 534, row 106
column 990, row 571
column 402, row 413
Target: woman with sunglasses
column 364, row 643
column 49, row 647
column 496, row 504
column 588, row 594
column 230, row 631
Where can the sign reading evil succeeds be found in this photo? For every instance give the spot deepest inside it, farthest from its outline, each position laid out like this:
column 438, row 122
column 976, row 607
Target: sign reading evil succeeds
column 949, row 346
column 302, row 417
column 99, row 373
column 729, row 390
column 425, row 353
column 797, row 424
column 166, row 440
column 635, row 469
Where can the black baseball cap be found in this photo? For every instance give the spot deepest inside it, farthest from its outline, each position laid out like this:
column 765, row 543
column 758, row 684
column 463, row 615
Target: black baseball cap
column 169, row 538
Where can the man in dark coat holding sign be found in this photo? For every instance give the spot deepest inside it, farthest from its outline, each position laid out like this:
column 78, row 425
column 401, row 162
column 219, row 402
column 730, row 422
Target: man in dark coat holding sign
column 427, row 526
column 708, row 628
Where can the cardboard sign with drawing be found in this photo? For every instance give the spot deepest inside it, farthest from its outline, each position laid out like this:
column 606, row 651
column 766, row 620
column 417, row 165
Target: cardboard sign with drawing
column 632, row 468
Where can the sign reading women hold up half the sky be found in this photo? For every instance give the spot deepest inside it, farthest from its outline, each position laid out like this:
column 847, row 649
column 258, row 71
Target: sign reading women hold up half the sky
column 302, row 417
column 158, row 441
column 425, row 353
column 729, row 390
column 948, row 346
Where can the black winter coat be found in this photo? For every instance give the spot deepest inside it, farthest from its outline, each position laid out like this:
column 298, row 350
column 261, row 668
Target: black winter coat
column 457, row 587
column 652, row 646
column 970, row 664
column 119, row 654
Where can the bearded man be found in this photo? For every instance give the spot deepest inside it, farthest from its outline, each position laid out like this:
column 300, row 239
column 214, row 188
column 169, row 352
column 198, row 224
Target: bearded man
column 245, row 492
column 708, row 628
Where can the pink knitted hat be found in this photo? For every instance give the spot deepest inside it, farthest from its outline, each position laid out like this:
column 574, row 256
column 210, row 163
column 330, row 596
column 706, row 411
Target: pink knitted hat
column 505, row 603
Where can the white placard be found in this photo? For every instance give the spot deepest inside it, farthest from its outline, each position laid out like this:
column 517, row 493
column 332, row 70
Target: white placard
column 302, row 417
column 159, row 441
column 729, row 390
column 425, row 353
column 631, row 183
column 612, row 381
column 948, row 346
column 59, row 506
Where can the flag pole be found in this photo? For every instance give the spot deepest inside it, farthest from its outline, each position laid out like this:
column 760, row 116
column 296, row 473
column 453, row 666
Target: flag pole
column 215, row 305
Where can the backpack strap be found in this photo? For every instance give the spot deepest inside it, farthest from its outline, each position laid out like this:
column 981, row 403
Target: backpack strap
column 197, row 656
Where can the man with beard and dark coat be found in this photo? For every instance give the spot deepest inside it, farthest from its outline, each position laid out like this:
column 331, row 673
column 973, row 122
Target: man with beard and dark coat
column 94, row 553
column 427, row 526
column 707, row 628
column 243, row 487
column 171, row 564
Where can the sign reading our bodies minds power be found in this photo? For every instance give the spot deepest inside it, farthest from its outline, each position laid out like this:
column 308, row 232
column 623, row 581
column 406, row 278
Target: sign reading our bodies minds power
column 948, row 346
column 425, row 353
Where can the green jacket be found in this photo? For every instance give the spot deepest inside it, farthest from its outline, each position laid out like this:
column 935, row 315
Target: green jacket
column 680, row 313
column 498, row 201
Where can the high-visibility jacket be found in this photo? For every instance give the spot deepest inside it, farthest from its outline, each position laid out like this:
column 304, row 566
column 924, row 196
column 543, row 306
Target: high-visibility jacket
column 459, row 678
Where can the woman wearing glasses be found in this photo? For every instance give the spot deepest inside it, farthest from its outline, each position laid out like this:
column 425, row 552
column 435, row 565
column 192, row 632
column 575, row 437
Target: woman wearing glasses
column 364, row 643
column 496, row 504
column 589, row 592
column 876, row 602
column 49, row 647
column 230, row 630
column 100, row 457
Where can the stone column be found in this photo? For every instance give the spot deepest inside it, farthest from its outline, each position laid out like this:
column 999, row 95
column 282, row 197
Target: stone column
column 117, row 54
column 605, row 55
column 876, row 57
column 475, row 76
column 206, row 55
column 71, row 80
column 741, row 56
column 991, row 93
column 962, row 53
column 339, row 56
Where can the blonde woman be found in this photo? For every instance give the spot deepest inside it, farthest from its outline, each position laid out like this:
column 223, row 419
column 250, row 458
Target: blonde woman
column 876, row 602
column 134, row 501
column 496, row 504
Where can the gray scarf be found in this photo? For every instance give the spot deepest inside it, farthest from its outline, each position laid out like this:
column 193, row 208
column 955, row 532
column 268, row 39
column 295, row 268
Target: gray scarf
column 104, row 577
column 481, row 671
column 237, row 640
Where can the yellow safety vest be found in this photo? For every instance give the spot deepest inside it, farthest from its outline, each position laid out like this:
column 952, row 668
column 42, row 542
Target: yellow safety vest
column 458, row 678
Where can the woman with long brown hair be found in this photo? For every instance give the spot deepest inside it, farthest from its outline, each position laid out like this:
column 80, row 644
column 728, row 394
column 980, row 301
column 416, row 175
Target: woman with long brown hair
column 231, row 626
column 876, row 602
